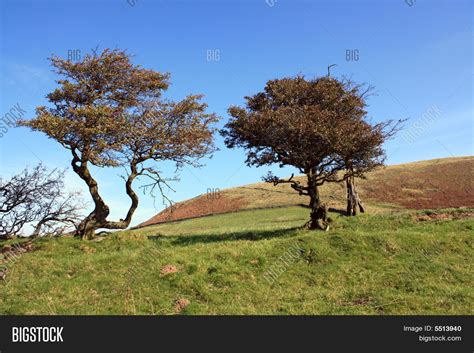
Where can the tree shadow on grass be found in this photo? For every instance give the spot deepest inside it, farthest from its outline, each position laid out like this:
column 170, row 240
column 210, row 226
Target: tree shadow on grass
column 330, row 209
column 335, row 210
column 255, row 235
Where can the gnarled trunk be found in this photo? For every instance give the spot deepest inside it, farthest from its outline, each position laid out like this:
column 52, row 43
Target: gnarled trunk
column 98, row 217
column 86, row 229
column 353, row 199
column 318, row 209
column 37, row 230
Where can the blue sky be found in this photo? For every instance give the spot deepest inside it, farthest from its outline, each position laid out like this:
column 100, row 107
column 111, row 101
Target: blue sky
column 418, row 57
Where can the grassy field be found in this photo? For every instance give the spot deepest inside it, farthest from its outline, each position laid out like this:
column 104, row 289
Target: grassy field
column 398, row 262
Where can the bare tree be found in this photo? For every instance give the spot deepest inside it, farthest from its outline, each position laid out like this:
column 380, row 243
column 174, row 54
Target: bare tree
column 58, row 213
column 37, row 197
column 18, row 197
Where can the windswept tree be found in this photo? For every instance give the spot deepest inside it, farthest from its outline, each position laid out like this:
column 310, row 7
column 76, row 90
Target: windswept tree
column 37, row 197
column 306, row 124
column 59, row 213
column 18, row 199
column 110, row 113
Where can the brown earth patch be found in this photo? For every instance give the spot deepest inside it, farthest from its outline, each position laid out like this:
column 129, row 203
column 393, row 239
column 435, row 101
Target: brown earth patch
column 444, row 216
column 168, row 269
column 10, row 253
column 180, row 304
column 15, row 249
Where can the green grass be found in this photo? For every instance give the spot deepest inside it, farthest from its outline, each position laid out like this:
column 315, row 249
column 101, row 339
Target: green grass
column 370, row 264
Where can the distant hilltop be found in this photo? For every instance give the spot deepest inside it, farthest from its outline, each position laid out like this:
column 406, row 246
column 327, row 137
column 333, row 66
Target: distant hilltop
column 436, row 183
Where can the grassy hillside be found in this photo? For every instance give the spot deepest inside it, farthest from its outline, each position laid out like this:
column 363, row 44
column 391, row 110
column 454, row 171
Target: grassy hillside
column 437, row 183
column 399, row 262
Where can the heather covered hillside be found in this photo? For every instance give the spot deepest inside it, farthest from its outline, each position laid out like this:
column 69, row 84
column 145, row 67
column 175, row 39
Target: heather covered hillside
column 438, row 183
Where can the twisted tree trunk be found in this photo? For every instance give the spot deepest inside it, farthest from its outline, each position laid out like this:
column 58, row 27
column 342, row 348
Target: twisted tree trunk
column 37, row 230
column 353, row 199
column 98, row 217
column 318, row 209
